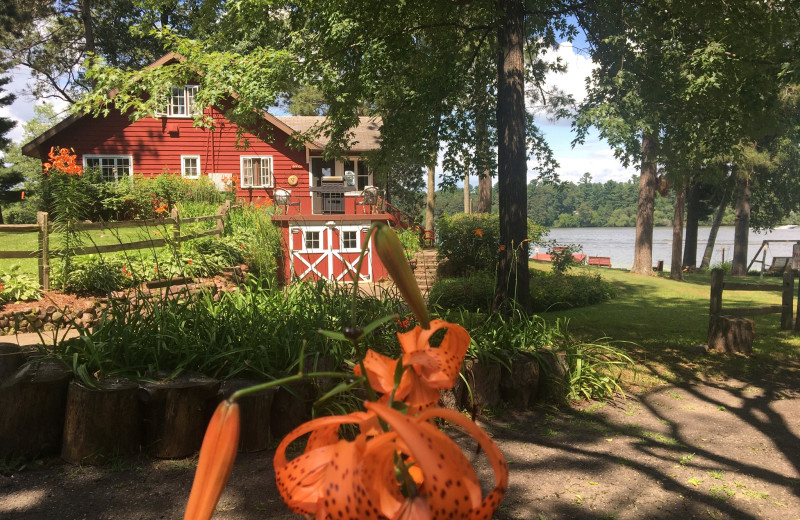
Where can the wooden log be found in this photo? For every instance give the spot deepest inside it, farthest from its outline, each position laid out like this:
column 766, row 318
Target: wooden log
column 520, row 388
column 11, row 358
column 484, row 382
column 255, row 410
column 176, row 413
column 32, row 409
column 102, row 423
column 291, row 407
column 731, row 334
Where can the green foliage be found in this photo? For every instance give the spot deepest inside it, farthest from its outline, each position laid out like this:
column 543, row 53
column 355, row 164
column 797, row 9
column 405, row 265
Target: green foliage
column 562, row 258
column 259, row 330
column 18, row 286
column 473, row 293
column 469, row 242
column 553, row 292
column 410, row 238
column 23, row 212
column 593, row 370
column 252, row 230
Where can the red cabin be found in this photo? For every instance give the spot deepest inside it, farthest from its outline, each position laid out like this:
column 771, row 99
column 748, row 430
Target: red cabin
column 326, row 206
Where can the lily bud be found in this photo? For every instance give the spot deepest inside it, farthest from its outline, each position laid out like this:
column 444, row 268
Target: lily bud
column 216, row 461
column 390, row 251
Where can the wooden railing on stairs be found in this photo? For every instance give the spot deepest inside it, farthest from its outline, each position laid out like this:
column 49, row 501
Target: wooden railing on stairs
column 405, row 221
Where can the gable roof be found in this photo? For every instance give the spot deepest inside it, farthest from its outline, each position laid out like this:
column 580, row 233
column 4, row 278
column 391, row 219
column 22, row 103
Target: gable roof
column 366, row 136
column 367, row 133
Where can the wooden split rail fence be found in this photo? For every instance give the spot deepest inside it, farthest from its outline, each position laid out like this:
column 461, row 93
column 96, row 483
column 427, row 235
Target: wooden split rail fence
column 44, row 228
column 728, row 330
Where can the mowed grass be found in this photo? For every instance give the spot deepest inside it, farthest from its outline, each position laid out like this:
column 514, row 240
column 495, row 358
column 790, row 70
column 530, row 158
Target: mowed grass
column 30, row 242
column 662, row 323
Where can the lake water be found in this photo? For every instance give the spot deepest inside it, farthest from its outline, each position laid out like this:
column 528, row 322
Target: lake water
column 618, row 243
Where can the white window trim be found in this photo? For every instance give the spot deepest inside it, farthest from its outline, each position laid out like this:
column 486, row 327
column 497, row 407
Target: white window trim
column 183, row 166
column 270, row 171
column 109, row 156
column 190, row 109
column 357, row 230
column 321, row 248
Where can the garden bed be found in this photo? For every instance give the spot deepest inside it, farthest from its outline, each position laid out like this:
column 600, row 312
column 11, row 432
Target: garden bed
column 56, row 309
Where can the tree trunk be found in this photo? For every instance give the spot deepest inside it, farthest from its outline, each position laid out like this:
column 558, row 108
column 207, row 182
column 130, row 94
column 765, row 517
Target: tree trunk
column 467, row 202
column 512, row 269
column 643, row 252
column 430, row 198
column 691, row 226
column 484, row 178
column 88, row 30
column 712, row 234
column 742, row 230
column 676, row 269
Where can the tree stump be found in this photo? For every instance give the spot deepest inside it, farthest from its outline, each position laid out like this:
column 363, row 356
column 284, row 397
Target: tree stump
column 553, row 373
column 484, row 382
column 11, row 358
column 176, row 413
column 102, row 423
column 520, row 388
column 731, row 334
column 32, row 403
column 255, row 410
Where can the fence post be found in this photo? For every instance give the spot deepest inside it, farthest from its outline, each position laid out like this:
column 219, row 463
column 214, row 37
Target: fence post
column 222, row 212
column 176, row 228
column 44, row 246
column 717, row 282
column 788, row 295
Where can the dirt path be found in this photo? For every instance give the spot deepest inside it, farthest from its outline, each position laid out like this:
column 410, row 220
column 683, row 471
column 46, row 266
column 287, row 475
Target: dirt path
column 721, row 450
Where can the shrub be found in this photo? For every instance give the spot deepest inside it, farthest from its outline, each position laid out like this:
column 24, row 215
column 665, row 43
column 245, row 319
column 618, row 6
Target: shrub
column 551, row 292
column 18, row 286
column 472, row 293
column 562, row 258
column 410, row 238
column 23, row 212
column 251, row 228
column 470, row 242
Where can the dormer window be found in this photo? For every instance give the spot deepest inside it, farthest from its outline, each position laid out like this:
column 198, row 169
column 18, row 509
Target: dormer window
column 180, row 102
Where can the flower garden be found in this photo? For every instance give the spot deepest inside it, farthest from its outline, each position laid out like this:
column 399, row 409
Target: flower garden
column 283, row 361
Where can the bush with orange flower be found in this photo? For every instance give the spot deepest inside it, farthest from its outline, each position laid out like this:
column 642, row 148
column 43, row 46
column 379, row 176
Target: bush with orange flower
column 397, row 464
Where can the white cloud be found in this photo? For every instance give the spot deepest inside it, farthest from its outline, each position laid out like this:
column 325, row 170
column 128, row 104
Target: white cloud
column 579, row 67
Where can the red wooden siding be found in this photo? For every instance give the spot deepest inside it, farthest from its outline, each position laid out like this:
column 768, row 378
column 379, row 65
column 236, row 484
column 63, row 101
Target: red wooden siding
column 157, row 145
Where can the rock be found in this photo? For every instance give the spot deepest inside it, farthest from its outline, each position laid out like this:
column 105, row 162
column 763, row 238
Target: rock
column 56, row 317
column 87, row 318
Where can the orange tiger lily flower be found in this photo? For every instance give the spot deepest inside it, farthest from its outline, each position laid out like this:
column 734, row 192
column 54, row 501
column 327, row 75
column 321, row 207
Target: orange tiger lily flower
column 450, row 487
column 325, row 480
column 427, row 369
column 216, row 461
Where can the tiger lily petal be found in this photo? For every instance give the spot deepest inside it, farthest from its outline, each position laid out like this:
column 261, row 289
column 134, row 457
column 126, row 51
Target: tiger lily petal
column 217, row 454
column 447, row 356
column 451, row 486
column 491, row 501
column 324, row 480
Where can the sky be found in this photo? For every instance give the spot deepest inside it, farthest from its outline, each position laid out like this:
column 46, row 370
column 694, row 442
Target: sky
column 594, row 156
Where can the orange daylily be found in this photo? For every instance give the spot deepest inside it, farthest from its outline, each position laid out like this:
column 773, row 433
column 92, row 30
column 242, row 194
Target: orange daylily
column 427, row 369
column 478, row 232
column 216, row 461
column 357, row 479
column 63, row 161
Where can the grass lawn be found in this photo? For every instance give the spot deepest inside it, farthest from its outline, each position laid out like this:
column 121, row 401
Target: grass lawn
column 29, row 242
column 662, row 322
